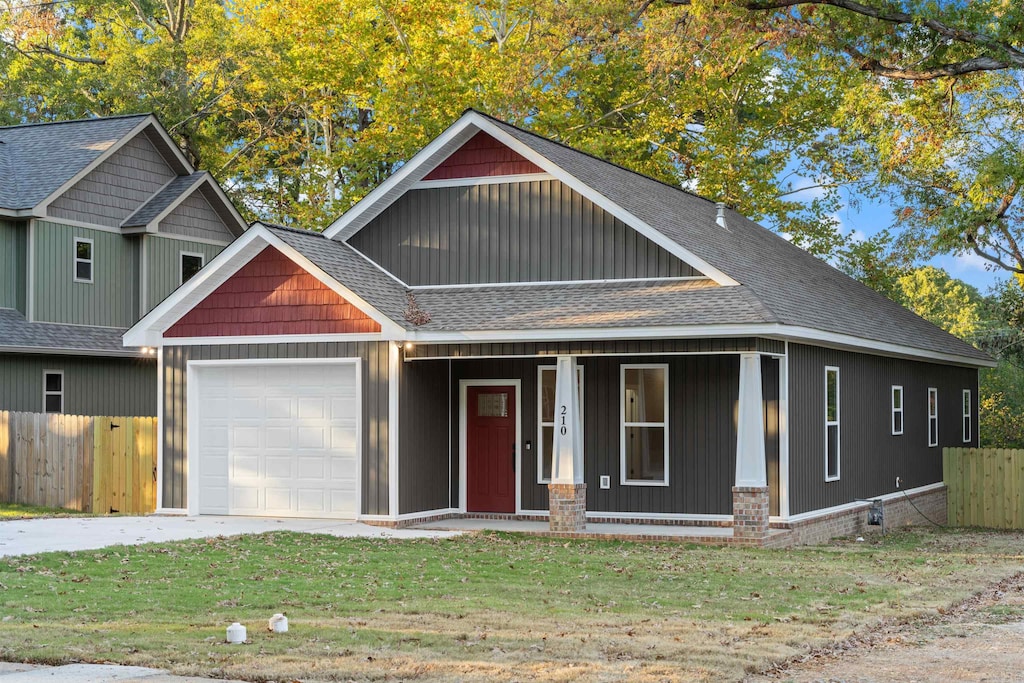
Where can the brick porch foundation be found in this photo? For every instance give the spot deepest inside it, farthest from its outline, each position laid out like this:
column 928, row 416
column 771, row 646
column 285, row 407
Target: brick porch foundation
column 567, row 505
column 750, row 512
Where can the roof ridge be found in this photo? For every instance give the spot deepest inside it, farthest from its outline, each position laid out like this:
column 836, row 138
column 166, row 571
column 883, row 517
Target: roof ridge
column 298, row 231
column 82, row 120
column 592, row 156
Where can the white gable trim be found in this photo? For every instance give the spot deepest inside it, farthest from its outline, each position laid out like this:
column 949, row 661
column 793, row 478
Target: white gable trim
column 482, row 180
column 42, row 206
column 149, row 330
column 456, row 133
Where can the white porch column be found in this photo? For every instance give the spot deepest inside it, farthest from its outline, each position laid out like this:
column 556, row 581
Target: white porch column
column 750, row 494
column 567, row 494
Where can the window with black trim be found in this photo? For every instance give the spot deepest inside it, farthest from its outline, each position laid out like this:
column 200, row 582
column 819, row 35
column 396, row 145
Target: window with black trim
column 933, row 416
column 83, row 266
column 190, row 265
column 644, row 434
column 897, row 410
column 832, row 412
column 53, row 391
column 546, row 375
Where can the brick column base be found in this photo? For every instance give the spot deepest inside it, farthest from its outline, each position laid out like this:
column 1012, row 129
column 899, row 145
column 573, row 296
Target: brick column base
column 567, row 505
column 750, row 512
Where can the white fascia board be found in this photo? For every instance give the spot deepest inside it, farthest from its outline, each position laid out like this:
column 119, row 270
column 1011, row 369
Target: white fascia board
column 21, row 213
column 773, row 330
column 273, row 339
column 482, row 180
column 110, row 151
column 378, row 193
column 149, row 330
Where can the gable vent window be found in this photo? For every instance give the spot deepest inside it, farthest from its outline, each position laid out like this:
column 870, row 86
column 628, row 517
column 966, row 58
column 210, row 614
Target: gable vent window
column 967, row 415
column 546, row 417
column 190, row 265
column 53, row 391
column 83, row 259
column 897, row 410
column 933, row 416
column 644, row 435
column 832, row 423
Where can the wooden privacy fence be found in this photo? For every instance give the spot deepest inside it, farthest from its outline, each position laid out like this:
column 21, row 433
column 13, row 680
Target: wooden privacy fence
column 984, row 487
column 93, row 464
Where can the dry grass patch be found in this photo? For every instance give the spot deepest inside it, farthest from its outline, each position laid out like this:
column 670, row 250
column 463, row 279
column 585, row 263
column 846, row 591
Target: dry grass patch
column 484, row 607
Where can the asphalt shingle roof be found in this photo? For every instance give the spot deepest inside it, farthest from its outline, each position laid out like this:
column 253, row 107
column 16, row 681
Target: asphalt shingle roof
column 799, row 289
column 35, row 160
column 181, row 185
column 18, row 333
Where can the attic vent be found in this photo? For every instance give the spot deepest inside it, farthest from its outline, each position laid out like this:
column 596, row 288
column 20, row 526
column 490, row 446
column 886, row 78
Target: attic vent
column 720, row 219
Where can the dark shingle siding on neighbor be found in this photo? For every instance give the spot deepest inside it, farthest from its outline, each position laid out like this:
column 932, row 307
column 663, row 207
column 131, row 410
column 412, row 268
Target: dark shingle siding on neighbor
column 43, row 157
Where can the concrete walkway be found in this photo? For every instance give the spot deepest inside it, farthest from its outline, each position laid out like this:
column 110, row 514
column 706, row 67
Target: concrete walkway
column 31, row 536
column 91, row 673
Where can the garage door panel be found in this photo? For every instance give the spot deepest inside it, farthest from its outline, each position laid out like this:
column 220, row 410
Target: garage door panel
column 278, row 439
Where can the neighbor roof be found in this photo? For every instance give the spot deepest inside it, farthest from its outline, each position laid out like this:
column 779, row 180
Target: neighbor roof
column 37, row 159
column 17, row 333
column 171, row 192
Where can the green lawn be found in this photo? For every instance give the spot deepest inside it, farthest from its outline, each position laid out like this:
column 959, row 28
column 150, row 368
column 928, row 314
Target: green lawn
column 17, row 511
column 485, row 607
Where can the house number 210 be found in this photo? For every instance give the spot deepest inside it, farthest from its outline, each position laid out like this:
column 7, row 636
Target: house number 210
column 564, row 428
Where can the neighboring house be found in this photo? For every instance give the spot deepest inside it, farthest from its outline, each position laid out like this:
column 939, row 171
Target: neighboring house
column 402, row 365
column 100, row 219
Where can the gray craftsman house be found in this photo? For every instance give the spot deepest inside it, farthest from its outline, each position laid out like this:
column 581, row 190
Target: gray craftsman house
column 100, row 219
column 509, row 327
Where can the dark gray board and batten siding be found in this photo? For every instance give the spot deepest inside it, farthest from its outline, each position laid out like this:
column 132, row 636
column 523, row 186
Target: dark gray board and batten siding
column 374, row 426
column 508, row 232
column 702, row 431
column 871, row 457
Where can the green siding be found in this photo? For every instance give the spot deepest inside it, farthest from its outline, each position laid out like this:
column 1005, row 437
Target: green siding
column 13, row 241
column 109, row 301
column 92, row 386
column 163, row 264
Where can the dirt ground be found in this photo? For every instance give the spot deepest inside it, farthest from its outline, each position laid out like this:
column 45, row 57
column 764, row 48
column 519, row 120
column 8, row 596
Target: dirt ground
column 979, row 639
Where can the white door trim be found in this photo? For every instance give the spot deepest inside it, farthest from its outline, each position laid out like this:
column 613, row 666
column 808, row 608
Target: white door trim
column 192, row 397
column 463, row 385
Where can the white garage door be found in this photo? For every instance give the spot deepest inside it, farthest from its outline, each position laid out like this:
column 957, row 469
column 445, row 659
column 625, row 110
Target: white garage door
column 277, row 440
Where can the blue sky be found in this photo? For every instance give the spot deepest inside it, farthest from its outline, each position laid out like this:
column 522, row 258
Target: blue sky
column 869, row 217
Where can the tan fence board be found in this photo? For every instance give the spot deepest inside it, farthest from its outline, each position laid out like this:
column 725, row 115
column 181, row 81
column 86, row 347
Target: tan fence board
column 985, row 487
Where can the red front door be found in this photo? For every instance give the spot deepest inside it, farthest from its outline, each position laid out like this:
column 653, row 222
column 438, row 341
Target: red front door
column 491, row 449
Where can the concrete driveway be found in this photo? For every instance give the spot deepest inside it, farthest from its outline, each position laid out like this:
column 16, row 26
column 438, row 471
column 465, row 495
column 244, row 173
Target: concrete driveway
column 30, row 536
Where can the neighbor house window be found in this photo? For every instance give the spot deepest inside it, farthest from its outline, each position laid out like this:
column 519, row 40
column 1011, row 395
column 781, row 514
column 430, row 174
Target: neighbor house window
column 933, row 416
column 546, row 417
column 644, row 435
column 190, row 265
column 831, row 423
column 897, row 410
column 967, row 415
column 53, row 391
column 83, row 259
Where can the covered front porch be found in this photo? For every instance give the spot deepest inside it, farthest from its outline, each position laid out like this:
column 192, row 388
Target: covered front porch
column 684, row 436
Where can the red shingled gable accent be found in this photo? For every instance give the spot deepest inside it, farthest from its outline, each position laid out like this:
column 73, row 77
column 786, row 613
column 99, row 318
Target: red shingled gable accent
column 272, row 295
column 482, row 156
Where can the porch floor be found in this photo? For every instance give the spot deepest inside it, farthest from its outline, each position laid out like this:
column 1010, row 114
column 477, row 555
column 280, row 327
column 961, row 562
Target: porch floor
column 714, row 535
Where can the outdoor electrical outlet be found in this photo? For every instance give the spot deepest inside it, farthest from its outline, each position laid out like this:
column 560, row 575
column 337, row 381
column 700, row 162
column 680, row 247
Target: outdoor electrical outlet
column 899, row 482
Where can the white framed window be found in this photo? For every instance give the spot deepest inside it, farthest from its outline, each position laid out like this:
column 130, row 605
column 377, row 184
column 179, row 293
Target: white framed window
column 967, row 415
column 897, row 410
column 644, row 425
column 933, row 416
column 53, row 391
column 546, row 417
column 83, row 265
column 189, row 264
column 832, row 412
